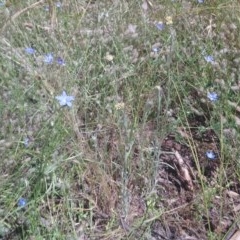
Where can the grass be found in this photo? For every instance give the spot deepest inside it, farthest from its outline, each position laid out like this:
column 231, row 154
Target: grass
column 128, row 159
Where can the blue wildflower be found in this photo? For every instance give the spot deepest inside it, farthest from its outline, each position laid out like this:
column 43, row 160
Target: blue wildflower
column 160, row 26
column 209, row 59
column 60, row 61
column 2, row 3
column 58, row 4
column 26, row 142
column 155, row 49
column 210, row 154
column 48, row 58
column 200, row 1
column 212, row 96
column 22, row 202
column 30, row 50
column 64, row 99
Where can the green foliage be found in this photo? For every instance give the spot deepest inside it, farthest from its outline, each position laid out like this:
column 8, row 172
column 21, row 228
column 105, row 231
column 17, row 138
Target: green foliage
column 107, row 167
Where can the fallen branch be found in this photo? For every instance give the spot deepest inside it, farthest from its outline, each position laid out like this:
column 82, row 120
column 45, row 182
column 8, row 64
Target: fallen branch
column 183, row 169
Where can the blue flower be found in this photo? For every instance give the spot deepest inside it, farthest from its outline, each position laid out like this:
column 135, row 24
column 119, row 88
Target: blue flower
column 210, row 154
column 30, row 50
column 2, row 3
column 160, row 26
column 155, row 49
column 48, row 58
column 60, row 61
column 26, row 142
column 212, row 96
column 22, row 202
column 65, row 100
column 200, row 1
column 209, row 59
column 58, row 4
